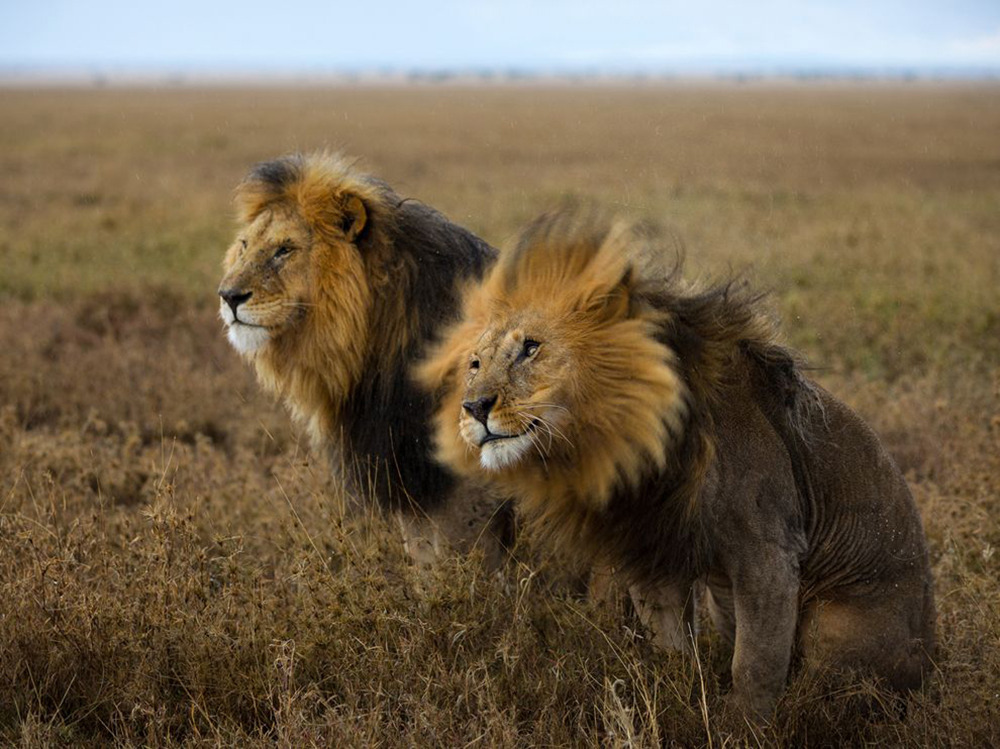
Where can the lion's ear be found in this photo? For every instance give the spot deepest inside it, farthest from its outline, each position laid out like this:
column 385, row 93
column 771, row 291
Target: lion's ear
column 611, row 301
column 354, row 218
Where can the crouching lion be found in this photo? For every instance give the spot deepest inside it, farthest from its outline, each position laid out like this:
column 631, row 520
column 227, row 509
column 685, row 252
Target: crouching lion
column 662, row 431
column 331, row 289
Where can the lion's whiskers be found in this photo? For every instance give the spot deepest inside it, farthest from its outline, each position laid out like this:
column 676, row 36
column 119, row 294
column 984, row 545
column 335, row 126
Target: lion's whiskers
column 527, row 420
column 553, row 430
column 545, row 405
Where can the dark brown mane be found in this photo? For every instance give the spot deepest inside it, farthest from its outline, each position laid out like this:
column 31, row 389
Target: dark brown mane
column 719, row 334
column 386, row 416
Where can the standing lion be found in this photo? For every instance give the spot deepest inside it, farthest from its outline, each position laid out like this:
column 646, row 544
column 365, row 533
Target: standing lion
column 663, row 432
column 331, row 289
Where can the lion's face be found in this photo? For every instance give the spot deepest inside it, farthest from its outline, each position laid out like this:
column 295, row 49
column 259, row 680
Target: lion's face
column 266, row 287
column 547, row 395
column 518, row 404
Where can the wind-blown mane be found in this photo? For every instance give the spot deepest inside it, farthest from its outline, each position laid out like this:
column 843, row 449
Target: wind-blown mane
column 654, row 356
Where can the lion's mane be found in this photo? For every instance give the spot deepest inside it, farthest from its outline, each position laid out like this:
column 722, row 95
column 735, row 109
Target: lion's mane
column 659, row 355
column 385, row 274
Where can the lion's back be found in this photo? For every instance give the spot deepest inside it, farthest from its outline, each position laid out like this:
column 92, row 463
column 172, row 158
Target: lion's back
column 865, row 546
column 844, row 506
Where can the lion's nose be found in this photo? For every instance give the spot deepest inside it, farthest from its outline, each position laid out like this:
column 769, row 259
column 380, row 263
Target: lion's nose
column 234, row 297
column 480, row 409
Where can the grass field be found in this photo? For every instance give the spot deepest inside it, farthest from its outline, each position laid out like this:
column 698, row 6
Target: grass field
column 175, row 566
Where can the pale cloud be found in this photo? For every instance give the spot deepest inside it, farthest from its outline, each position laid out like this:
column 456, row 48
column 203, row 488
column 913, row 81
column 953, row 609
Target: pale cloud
column 979, row 49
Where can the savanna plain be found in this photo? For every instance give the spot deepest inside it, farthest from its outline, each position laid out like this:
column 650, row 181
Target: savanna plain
column 175, row 566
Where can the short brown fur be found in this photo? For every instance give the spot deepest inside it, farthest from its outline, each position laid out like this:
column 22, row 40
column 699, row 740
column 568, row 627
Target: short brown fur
column 663, row 431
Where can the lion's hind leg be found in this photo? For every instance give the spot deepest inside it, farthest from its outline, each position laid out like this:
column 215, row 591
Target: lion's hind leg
column 882, row 638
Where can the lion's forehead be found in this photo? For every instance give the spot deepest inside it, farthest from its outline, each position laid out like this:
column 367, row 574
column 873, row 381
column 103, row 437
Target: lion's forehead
column 496, row 344
column 255, row 243
column 244, row 267
column 507, row 331
column 276, row 225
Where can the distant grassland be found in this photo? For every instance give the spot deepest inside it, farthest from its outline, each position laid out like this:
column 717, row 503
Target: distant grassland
column 175, row 566
column 883, row 198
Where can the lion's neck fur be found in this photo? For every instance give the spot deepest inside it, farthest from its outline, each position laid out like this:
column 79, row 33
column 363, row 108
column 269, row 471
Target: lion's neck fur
column 630, row 495
column 343, row 377
column 313, row 377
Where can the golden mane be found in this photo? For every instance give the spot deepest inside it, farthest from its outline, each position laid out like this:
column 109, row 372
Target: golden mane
column 380, row 273
column 315, row 369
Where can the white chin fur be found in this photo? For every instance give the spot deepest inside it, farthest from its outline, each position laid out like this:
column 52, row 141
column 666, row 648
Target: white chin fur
column 500, row 454
column 247, row 338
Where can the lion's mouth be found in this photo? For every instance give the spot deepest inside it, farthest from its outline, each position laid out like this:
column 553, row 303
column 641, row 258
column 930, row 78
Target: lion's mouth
column 247, row 337
column 493, row 437
column 237, row 321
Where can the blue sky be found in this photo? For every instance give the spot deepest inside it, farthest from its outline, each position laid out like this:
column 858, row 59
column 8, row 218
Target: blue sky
column 548, row 35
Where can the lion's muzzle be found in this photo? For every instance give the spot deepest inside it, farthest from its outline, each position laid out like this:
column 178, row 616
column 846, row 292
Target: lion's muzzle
column 480, row 409
column 234, row 298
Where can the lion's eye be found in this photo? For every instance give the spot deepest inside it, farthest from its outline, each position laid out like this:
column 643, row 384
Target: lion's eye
column 244, row 243
column 281, row 252
column 531, row 348
column 474, row 364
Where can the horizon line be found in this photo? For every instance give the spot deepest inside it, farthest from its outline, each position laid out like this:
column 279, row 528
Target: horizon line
column 99, row 75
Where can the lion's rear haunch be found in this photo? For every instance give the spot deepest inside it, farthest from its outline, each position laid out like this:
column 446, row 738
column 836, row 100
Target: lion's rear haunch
column 662, row 430
column 332, row 288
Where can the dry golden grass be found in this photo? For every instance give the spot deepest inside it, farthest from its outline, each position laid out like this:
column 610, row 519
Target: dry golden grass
column 176, row 568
